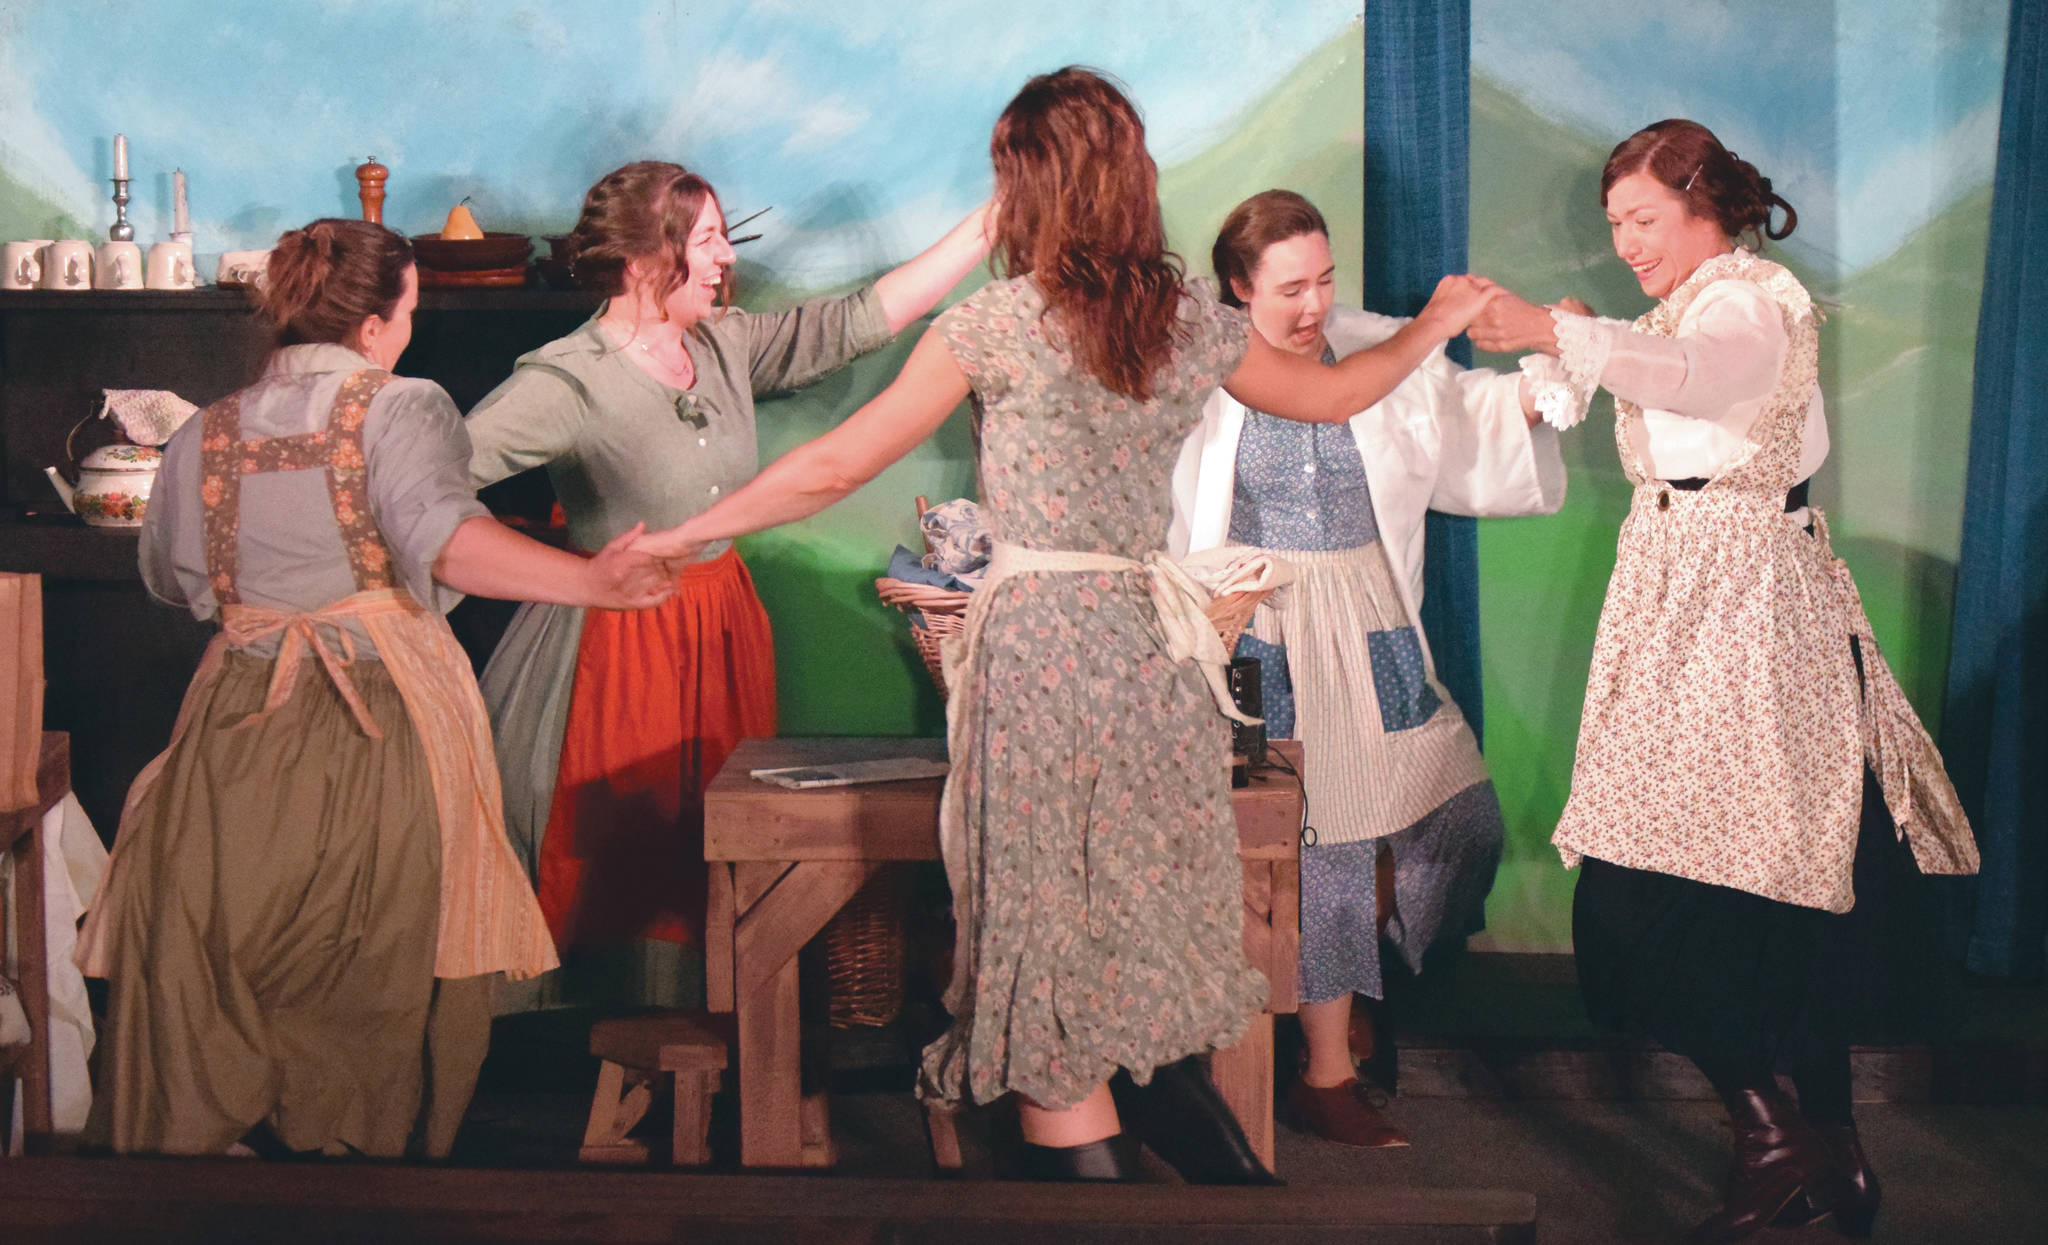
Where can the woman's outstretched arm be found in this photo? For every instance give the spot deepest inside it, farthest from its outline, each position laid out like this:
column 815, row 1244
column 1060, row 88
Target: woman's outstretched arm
column 817, row 473
column 485, row 558
column 916, row 285
column 1270, row 379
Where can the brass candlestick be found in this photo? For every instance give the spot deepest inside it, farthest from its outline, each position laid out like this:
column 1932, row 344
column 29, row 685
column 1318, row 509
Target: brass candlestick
column 370, row 179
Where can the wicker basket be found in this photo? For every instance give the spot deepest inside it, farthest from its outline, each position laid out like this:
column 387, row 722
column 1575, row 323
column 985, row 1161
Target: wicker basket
column 938, row 613
column 1231, row 612
column 863, row 948
column 942, row 613
column 935, row 613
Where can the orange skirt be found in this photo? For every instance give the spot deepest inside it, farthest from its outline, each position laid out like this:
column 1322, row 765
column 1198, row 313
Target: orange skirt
column 660, row 699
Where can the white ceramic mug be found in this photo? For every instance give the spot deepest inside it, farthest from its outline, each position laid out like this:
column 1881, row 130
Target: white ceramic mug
column 67, row 265
column 118, row 266
column 170, row 266
column 242, row 267
column 21, row 264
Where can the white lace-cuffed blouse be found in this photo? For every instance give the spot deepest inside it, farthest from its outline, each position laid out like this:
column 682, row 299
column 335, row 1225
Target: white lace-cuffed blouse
column 1700, row 391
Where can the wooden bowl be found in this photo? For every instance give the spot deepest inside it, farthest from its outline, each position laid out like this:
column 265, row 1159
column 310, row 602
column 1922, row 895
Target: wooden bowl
column 493, row 250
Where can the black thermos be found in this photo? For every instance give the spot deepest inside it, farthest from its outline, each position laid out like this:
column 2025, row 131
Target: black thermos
column 1247, row 740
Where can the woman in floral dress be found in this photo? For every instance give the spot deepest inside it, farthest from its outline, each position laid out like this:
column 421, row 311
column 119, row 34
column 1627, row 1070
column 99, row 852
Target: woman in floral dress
column 1746, row 762
column 1087, row 825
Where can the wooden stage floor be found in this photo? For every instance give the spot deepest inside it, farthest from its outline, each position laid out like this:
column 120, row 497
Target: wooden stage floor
column 235, row 1200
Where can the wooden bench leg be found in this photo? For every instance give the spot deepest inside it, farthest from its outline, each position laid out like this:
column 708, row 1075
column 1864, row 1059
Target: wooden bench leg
column 690, row 1141
column 621, row 1101
column 1244, row 1077
column 815, row 1115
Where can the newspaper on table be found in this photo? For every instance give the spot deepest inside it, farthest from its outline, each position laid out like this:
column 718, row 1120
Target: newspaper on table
column 851, row 773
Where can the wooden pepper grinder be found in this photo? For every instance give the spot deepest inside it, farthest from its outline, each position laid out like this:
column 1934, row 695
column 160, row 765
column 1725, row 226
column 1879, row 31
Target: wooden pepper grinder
column 370, row 178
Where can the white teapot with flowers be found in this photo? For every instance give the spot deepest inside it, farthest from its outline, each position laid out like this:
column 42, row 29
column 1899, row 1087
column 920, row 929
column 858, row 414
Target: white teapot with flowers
column 114, row 481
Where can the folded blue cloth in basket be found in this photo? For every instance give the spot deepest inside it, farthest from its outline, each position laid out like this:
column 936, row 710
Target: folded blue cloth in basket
column 910, row 568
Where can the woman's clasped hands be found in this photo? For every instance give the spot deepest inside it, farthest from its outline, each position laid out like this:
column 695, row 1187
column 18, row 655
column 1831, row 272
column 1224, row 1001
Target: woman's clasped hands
column 626, row 577
column 673, row 547
column 1510, row 324
column 1458, row 300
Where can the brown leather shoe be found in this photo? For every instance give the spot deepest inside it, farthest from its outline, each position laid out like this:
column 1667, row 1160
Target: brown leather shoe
column 1848, row 1190
column 1342, row 1114
column 1778, row 1158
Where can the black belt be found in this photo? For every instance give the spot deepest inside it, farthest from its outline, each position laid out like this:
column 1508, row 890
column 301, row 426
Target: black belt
column 1795, row 497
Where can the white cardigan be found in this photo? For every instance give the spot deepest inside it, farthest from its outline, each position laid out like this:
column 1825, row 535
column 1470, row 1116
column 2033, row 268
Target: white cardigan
column 1446, row 438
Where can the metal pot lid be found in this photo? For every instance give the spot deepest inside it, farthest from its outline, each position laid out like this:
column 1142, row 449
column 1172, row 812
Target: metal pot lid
column 123, row 458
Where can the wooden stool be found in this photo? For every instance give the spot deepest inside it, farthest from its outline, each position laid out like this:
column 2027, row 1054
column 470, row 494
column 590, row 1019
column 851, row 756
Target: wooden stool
column 638, row 1052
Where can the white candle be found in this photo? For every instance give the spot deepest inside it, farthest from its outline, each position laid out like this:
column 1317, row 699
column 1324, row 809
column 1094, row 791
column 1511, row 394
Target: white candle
column 181, row 220
column 120, row 157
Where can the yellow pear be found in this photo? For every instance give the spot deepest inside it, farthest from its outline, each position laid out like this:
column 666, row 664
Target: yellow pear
column 461, row 225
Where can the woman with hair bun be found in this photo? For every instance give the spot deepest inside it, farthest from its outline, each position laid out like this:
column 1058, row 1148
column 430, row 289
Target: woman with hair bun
column 610, row 726
column 1087, row 823
column 310, row 888
column 1746, row 761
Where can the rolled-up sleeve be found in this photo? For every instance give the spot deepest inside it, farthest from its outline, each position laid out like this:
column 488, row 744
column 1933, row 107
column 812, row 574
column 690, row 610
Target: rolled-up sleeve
column 791, row 349
column 419, row 464
column 171, row 524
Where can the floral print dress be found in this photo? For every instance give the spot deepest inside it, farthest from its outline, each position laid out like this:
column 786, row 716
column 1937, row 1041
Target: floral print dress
column 1102, row 924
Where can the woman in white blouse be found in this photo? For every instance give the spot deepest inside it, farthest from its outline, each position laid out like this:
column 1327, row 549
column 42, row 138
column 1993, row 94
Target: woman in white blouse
column 1407, row 826
column 1746, row 761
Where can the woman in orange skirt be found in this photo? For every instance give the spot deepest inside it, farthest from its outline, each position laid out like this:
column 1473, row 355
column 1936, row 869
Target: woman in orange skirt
column 610, row 725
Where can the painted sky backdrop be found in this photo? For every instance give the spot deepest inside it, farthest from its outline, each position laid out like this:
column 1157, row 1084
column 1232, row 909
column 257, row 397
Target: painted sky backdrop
column 1871, row 116
column 864, row 123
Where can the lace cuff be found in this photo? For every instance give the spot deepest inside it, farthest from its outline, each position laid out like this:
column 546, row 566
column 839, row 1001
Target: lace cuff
column 1562, row 388
column 1551, row 390
column 1583, row 343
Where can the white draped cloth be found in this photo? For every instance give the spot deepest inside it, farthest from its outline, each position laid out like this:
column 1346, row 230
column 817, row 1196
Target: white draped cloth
column 73, row 859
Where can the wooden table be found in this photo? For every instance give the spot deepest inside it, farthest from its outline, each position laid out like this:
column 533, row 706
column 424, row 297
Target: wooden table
column 783, row 862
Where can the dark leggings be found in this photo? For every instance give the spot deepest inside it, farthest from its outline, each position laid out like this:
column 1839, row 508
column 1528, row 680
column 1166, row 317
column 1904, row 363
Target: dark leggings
column 1822, row 1082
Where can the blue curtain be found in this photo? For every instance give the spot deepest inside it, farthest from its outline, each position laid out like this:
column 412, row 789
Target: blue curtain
column 1995, row 729
column 1418, row 109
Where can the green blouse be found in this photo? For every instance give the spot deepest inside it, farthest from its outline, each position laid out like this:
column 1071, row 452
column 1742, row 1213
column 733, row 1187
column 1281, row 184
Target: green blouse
column 622, row 447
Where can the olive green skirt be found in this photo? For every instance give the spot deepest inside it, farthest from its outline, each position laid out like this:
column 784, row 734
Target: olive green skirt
column 273, row 959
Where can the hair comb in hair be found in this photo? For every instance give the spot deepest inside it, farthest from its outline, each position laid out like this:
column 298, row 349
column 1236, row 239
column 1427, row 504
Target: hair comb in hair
column 732, row 241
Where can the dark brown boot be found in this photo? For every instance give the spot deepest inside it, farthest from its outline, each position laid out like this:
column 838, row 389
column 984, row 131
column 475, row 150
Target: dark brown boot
column 1777, row 1158
column 1849, row 1190
column 1854, row 1192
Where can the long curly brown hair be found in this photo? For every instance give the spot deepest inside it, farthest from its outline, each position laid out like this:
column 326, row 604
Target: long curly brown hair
column 644, row 211
column 1079, row 211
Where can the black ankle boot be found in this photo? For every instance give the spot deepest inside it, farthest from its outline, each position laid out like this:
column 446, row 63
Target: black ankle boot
column 1187, row 1123
column 1110, row 1159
